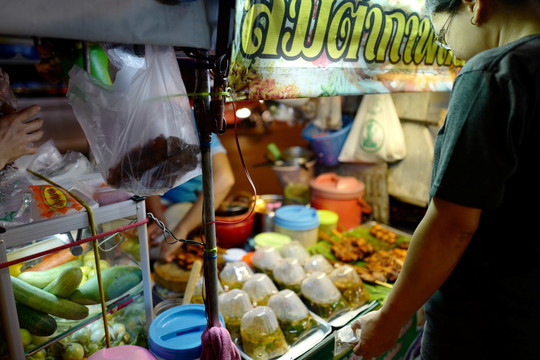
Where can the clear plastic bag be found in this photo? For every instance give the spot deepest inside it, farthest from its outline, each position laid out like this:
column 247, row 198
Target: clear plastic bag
column 140, row 128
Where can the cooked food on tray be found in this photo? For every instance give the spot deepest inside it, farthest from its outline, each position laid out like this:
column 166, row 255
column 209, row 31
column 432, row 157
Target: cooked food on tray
column 259, row 288
column 233, row 305
column 322, row 296
column 349, row 248
column 235, row 274
column 262, row 337
column 288, row 274
column 292, row 314
column 350, row 285
column 318, row 263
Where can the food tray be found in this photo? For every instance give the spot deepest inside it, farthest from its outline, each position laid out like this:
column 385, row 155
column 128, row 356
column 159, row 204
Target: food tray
column 346, row 317
column 308, row 342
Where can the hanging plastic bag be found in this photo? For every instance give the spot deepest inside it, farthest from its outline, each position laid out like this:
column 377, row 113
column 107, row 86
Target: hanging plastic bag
column 376, row 135
column 140, row 129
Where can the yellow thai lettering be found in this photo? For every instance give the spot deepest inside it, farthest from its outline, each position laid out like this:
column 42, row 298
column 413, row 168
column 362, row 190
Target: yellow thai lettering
column 54, row 198
column 413, row 23
column 345, row 30
column 340, row 31
column 303, row 39
column 394, row 24
column 374, row 25
column 359, row 17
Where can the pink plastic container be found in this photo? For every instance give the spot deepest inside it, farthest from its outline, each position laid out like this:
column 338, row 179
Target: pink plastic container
column 123, row 352
column 342, row 194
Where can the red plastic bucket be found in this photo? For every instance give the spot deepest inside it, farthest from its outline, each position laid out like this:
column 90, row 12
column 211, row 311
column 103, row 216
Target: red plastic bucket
column 341, row 194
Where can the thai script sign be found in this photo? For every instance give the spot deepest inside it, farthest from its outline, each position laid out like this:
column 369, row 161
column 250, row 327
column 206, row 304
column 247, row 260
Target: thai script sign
column 300, row 48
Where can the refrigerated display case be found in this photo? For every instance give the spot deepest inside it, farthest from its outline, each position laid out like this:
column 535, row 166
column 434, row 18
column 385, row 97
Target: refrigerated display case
column 22, row 241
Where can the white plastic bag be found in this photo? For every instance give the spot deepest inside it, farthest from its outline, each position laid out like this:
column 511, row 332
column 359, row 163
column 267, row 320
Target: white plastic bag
column 376, row 135
column 140, row 128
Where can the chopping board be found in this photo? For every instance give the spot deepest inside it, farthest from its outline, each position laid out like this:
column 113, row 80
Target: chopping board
column 171, row 276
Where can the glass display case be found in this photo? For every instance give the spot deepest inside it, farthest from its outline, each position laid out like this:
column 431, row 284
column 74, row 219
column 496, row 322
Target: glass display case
column 125, row 250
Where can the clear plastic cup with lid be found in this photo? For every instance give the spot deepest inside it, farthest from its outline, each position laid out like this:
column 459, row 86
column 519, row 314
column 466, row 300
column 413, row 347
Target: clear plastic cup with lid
column 292, row 314
column 288, row 274
column 262, row 337
column 323, row 296
column 235, row 274
column 318, row 262
column 233, row 305
column 259, row 288
column 265, row 259
column 296, row 250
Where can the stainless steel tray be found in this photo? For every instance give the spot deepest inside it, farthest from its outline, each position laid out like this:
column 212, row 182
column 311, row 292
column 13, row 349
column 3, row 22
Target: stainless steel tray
column 346, row 317
column 308, row 342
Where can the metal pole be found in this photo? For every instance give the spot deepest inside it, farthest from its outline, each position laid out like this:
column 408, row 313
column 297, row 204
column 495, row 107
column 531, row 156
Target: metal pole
column 202, row 112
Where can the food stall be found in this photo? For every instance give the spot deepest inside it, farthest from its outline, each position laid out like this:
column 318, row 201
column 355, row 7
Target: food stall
column 279, row 50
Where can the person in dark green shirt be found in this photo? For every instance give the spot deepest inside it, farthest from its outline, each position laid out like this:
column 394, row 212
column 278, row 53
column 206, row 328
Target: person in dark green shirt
column 473, row 259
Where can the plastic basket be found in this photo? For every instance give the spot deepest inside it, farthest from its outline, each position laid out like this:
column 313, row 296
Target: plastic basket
column 327, row 144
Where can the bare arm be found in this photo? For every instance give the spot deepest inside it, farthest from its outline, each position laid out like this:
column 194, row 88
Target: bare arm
column 223, row 181
column 436, row 247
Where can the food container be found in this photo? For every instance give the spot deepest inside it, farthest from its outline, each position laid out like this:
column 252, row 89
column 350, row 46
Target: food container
column 292, row 314
column 231, row 231
column 294, row 250
column 322, row 295
column 265, row 208
column 176, row 333
column 341, row 194
column 299, row 222
column 350, row 285
column 235, row 274
column 319, row 263
column 288, row 274
column 234, row 304
column 262, row 337
column 274, row 239
column 259, row 288
column 328, row 220
column 265, row 258
column 296, row 165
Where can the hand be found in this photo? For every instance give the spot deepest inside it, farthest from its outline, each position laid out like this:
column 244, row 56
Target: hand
column 17, row 133
column 168, row 251
column 377, row 335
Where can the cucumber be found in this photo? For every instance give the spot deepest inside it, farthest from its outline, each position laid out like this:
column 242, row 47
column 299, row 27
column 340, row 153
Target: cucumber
column 66, row 283
column 43, row 278
column 116, row 280
column 48, row 303
column 37, row 322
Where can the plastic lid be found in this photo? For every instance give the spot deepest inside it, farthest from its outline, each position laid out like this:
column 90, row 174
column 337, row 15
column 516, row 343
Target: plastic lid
column 274, row 239
column 296, row 217
column 123, row 352
column 176, row 333
column 328, row 217
column 337, row 187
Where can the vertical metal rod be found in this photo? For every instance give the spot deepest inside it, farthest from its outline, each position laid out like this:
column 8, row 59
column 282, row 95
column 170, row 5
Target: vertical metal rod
column 202, row 117
column 8, row 311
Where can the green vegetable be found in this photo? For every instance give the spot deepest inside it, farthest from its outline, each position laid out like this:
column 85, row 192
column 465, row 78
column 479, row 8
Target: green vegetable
column 66, row 283
column 48, row 303
column 36, row 322
column 43, row 278
column 116, row 280
column 73, row 351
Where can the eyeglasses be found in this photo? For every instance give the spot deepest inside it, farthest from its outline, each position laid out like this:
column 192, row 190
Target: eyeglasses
column 440, row 38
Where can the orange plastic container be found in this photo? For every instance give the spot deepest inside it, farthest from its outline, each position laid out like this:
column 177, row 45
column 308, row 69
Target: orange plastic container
column 341, row 194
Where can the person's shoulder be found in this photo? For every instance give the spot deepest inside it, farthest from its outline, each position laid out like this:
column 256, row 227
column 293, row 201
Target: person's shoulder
column 521, row 53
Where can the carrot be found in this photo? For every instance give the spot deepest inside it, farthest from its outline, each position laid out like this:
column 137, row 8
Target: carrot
column 54, row 259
